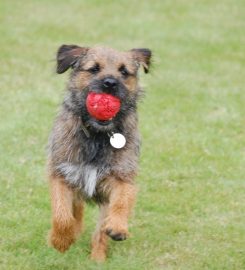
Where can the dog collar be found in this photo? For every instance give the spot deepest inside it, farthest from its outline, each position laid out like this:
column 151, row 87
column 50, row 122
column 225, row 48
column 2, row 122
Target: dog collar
column 84, row 128
column 117, row 140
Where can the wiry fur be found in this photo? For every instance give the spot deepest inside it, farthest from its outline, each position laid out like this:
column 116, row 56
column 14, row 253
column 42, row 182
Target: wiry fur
column 75, row 154
column 81, row 162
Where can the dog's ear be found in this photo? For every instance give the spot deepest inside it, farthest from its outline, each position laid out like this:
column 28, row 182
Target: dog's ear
column 68, row 55
column 143, row 57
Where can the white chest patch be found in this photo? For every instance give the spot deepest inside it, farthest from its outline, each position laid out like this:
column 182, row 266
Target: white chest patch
column 82, row 176
column 90, row 179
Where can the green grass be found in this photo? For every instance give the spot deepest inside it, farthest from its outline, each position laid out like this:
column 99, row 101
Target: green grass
column 190, row 209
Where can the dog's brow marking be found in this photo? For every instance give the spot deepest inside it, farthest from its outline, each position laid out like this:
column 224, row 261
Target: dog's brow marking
column 89, row 64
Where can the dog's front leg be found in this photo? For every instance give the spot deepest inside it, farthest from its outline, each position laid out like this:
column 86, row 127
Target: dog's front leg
column 121, row 202
column 100, row 238
column 63, row 230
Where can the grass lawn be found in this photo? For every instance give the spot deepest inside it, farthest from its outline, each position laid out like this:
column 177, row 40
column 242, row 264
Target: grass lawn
column 190, row 212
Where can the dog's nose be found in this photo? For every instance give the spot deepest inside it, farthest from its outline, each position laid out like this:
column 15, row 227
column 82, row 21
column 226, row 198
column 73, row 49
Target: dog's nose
column 109, row 83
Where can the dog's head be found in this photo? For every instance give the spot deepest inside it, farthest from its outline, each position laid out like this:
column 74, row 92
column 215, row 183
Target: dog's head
column 102, row 70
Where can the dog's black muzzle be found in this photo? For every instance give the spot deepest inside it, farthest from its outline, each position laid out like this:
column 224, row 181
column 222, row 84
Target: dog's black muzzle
column 109, row 85
column 113, row 86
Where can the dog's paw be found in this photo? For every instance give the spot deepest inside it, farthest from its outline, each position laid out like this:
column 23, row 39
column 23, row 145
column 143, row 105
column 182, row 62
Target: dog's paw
column 116, row 229
column 61, row 242
column 117, row 235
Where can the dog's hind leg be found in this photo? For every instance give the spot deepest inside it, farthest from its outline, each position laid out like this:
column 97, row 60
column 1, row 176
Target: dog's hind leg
column 100, row 238
column 63, row 230
column 121, row 202
column 78, row 209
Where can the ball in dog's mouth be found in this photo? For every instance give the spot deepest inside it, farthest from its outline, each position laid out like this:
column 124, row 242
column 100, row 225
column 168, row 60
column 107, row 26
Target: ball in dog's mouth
column 102, row 106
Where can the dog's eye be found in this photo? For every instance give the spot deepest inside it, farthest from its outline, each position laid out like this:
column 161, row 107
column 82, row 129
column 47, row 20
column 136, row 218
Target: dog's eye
column 124, row 71
column 95, row 69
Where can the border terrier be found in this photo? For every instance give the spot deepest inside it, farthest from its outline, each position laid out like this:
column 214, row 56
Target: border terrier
column 83, row 162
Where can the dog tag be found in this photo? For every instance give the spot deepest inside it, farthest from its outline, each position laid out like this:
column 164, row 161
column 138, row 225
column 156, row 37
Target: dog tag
column 117, row 140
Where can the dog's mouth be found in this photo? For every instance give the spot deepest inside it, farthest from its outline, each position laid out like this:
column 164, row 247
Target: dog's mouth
column 105, row 109
column 104, row 122
column 102, row 109
column 102, row 106
column 100, row 125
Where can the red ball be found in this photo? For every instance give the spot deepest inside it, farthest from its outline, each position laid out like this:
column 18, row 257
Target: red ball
column 102, row 106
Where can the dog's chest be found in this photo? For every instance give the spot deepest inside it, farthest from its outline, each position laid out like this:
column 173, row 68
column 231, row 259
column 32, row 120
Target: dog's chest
column 93, row 163
column 96, row 150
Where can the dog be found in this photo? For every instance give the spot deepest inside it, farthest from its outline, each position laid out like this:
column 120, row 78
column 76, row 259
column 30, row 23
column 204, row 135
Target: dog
column 83, row 161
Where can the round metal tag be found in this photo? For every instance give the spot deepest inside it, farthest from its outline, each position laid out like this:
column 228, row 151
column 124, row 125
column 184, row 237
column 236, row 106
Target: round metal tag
column 117, row 140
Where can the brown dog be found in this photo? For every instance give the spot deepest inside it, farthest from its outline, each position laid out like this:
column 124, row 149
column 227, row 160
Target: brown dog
column 82, row 164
